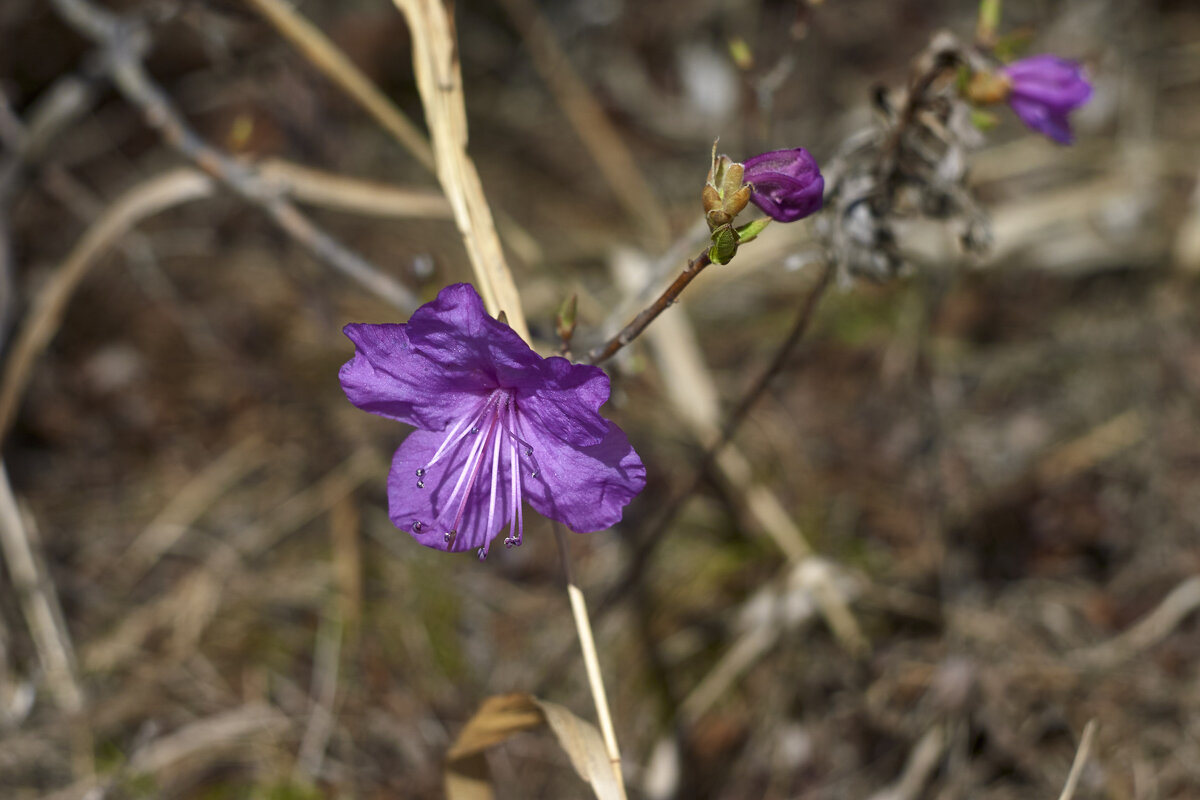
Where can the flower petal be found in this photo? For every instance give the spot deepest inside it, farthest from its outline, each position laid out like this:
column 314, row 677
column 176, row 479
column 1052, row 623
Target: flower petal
column 428, row 512
column 386, row 377
column 1041, row 119
column 456, row 332
column 564, row 399
column 586, row 488
column 787, row 183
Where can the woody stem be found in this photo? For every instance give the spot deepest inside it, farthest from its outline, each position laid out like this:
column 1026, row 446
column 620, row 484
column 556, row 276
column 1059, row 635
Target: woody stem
column 634, row 329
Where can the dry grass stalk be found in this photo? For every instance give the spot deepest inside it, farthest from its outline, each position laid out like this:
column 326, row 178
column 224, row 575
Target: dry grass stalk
column 1177, row 606
column 338, row 192
column 1081, row 757
column 189, row 504
column 39, row 601
column 439, row 80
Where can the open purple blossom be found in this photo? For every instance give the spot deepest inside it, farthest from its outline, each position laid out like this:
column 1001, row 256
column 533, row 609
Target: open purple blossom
column 1044, row 89
column 787, row 183
column 498, row 426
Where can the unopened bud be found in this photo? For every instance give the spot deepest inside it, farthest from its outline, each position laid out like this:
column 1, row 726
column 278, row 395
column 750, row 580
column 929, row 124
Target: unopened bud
column 986, row 88
column 725, row 192
column 564, row 320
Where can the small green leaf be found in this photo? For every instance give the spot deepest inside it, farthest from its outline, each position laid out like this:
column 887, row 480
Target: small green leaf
column 984, row 120
column 564, row 321
column 725, row 244
column 748, row 232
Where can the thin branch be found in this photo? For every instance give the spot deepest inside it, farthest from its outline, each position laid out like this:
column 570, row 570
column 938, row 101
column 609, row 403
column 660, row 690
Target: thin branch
column 122, row 43
column 602, row 353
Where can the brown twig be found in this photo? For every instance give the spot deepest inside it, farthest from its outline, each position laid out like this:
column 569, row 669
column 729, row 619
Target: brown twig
column 122, row 43
column 602, row 353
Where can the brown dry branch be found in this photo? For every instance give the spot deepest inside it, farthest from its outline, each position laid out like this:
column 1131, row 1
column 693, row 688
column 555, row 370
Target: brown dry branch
column 603, row 352
column 122, row 42
column 439, row 80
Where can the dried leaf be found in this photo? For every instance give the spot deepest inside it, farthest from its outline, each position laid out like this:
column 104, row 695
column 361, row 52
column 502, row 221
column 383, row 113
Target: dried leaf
column 501, row 716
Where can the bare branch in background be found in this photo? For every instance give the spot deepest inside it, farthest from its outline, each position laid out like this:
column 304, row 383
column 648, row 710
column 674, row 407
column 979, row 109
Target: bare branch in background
column 122, row 43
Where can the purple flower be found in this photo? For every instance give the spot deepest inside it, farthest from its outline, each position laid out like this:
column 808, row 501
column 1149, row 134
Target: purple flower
column 787, row 183
column 1044, row 90
column 498, row 425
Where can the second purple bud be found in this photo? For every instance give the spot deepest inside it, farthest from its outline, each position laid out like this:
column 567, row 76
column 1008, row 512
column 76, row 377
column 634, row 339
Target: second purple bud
column 787, row 184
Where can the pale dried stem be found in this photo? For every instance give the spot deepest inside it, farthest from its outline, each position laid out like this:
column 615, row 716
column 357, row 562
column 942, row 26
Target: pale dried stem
column 321, row 719
column 1081, row 757
column 439, row 81
column 334, row 64
column 39, row 601
column 338, row 192
column 187, row 505
column 922, row 761
column 1177, row 606
column 591, row 661
column 591, row 124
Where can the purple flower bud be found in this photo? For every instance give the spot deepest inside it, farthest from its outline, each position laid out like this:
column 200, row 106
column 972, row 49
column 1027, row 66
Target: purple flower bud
column 1044, row 90
column 787, row 183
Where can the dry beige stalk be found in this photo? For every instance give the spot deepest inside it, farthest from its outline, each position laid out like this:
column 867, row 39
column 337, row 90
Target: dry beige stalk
column 439, row 80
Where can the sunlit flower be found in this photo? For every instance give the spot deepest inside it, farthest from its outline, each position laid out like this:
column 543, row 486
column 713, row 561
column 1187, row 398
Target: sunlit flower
column 1044, row 89
column 787, row 183
column 498, row 426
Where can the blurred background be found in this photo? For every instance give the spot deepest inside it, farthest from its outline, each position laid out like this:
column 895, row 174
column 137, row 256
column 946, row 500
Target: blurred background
column 959, row 524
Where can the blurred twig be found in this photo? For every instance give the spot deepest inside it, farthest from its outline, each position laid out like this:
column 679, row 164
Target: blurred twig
column 1081, row 757
column 334, row 64
column 39, row 602
column 41, row 323
column 439, row 80
column 122, row 42
column 330, row 190
column 1147, row 632
column 591, row 124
